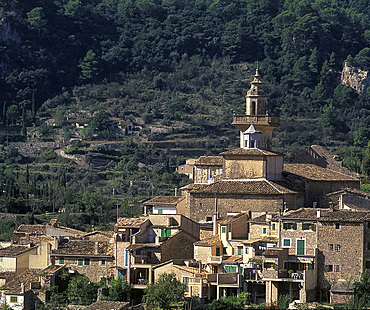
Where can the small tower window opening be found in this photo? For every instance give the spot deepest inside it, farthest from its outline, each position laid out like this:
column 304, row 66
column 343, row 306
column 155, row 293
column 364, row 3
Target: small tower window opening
column 253, row 108
column 252, row 144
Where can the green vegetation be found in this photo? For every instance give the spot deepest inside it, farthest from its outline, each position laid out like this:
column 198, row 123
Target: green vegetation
column 230, row 302
column 177, row 70
column 165, row 291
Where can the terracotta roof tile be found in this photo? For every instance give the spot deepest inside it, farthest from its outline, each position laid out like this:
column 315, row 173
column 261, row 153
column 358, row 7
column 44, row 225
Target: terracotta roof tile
column 134, row 222
column 346, row 216
column 261, row 239
column 84, row 247
column 214, row 239
column 13, row 250
column 244, row 187
column 305, row 213
column 233, row 259
column 164, row 200
column 251, row 152
column 229, row 218
column 316, row 173
column 108, row 233
column 209, row 161
column 32, row 229
column 51, row 269
column 108, row 305
column 27, row 277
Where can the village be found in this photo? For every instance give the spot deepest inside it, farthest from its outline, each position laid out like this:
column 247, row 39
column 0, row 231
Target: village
column 249, row 223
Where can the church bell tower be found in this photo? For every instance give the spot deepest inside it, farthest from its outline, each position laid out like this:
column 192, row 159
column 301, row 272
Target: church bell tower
column 256, row 114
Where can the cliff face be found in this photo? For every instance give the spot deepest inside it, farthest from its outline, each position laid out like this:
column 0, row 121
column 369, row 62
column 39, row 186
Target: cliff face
column 355, row 78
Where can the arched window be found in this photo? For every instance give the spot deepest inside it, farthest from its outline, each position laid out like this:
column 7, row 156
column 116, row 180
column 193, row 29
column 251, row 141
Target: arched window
column 253, row 108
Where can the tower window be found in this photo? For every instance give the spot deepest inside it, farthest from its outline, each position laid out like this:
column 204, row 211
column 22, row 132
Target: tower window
column 253, row 108
column 252, row 143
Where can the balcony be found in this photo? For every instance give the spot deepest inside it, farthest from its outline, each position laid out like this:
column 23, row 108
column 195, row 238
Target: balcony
column 216, row 259
column 282, row 274
column 225, row 279
column 257, row 119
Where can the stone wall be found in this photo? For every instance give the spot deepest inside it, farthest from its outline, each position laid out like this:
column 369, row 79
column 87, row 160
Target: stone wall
column 94, row 271
column 179, row 246
column 349, row 257
column 201, row 206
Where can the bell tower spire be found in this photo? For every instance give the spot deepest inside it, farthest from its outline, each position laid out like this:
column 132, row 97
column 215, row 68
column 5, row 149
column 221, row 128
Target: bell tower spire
column 257, row 114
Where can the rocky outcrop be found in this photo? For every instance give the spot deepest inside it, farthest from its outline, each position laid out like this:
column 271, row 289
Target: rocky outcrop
column 355, row 78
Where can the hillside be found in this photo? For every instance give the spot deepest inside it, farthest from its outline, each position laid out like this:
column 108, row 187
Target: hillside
column 75, row 74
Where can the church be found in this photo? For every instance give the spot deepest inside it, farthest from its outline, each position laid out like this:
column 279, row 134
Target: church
column 253, row 178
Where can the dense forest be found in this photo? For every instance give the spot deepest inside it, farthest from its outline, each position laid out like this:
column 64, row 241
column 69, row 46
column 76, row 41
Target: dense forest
column 178, row 70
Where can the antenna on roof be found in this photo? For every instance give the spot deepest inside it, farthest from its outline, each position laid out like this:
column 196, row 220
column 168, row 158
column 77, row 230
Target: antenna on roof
column 257, row 64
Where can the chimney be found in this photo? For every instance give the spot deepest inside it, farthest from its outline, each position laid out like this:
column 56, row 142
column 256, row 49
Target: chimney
column 96, row 247
column 318, row 214
column 314, row 204
column 331, row 206
column 157, row 240
column 215, row 224
column 175, row 191
column 22, row 287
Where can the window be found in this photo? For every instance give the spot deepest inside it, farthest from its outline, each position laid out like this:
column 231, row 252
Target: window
column 13, row 299
column 240, row 250
column 329, row 268
column 273, row 226
column 290, row 226
column 217, row 251
column 367, row 264
column 368, row 246
column 168, row 232
column 185, row 280
column 336, row 268
column 230, row 269
column 209, row 219
column 337, row 226
column 301, row 245
column 163, row 233
column 331, row 247
column 61, row 261
column 269, row 265
column 337, row 247
column 80, row 262
column 264, row 230
column 223, row 229
column 368, row 225
column 1, row 259
column 308, row 226
column 103, row 262
column 246, row 250
column 286, row 242
column 160, row 211
column 87, row 261
column 224, row 251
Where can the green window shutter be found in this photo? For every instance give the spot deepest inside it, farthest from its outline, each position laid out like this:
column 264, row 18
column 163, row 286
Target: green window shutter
column 274, row 265
column 160, row 211
column 240, row 251
column 273, row 226
column 80, row 262
column 61, row 261
column 303, row 226
column 240, row 270
column 13, row 299
column 223, row 229
column 227, row 269
column 300, row 247
column 186, row 282
column 285, row 226
column 295, row 226
column 309, row 266
column 286, row 242
column 224, row 251
column 217, row 251
column 313, row 227
column 168, row 233
column 264, row 230
column 163, row 233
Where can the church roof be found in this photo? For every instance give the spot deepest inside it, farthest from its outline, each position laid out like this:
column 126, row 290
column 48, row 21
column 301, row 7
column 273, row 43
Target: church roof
column 252, row 129
column 244, row 187
column 251, row 152
column 316, row 173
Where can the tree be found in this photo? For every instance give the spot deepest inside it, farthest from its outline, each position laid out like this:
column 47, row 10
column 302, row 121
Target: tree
column 72, row 7
column 81, row 291
column 89, row 66
column 119, row 290
column 365, row 167
column 36, row 18
column 164, row 292
column 230, row 302
column 361, row 298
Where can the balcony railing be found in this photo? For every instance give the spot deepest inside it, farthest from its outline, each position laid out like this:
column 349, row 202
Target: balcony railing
column 242, row 119
column 217, row 259
column 225, row 278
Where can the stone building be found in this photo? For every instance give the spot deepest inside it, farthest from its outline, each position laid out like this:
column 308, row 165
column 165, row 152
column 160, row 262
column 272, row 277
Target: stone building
column 343, row 247
column 92, row 258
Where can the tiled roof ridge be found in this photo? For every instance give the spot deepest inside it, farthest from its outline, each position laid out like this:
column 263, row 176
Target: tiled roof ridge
column 274, row 186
